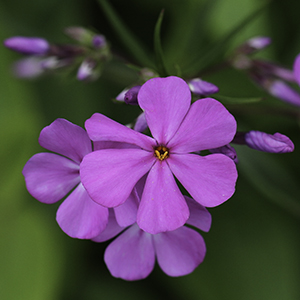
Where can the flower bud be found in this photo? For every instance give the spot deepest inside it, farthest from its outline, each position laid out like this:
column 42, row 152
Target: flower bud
column 201, row 87
column 258, row 140
column 87, row 70
column 141, row 123
column 131, row 95
column 27, row 45
column 28, row 67
column 99, row 41
column 226, row 150
column 281, row 90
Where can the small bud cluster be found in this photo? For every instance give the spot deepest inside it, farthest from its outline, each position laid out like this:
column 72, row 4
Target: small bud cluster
column 88, row 55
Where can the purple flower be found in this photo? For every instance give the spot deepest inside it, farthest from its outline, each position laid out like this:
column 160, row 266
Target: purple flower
column 131, row 256
column 201, row 87
column 258, row 140
column 27, row 45
column 49, row 177
column 179, row 129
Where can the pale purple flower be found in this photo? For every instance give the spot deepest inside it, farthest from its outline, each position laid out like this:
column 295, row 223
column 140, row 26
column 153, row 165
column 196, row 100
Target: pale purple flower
column 202, row 87
column 179, row 129
column 27, row 45
column 50, row 177
column 258, row 140
column 131, row 256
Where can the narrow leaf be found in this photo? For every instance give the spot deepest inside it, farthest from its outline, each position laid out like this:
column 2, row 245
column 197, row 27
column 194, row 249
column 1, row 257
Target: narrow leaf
column 126, row 36
column 218, row 49
column 237, row 100
column 160, row 63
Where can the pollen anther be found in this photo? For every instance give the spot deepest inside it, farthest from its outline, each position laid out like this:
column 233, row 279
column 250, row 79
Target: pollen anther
column 161, row 152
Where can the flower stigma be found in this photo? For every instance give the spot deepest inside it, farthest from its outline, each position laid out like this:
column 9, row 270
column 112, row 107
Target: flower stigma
column 161, row 152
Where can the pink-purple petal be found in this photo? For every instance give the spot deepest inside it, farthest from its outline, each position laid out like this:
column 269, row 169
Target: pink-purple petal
column 109, row 175
column 80, row 217
column 162, row 207
column 199, row 215
column 49, row 177
column 67, row 139
column 165, row 102
column 210, row 180
column 131, row 255
column 179, row 252
column 126, row 212
column 102, row 128
column 111, row 230
column 207, row 125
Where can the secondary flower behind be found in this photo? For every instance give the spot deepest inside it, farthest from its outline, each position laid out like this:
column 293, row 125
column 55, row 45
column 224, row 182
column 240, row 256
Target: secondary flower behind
column 131, row 256
column 179, row 130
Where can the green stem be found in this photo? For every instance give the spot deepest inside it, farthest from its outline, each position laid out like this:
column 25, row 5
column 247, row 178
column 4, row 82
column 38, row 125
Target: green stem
column 126, row 36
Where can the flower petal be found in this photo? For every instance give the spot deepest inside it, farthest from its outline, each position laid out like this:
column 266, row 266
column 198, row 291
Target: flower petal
column 49, row 177
column 111, row 230
column 131, row 255
column 210, row 180
column 199, row 215
column 126, row 212
column 179, row 252
column 66, row 138
column 165, row 102
column 102, row 128
column 162, row 207
column 80, row 217
column 109, row 175
column 207, row 125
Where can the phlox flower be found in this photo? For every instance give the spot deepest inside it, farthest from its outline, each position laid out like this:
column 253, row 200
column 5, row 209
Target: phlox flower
column 131, row 256
column 179, row 129
column 50, row 177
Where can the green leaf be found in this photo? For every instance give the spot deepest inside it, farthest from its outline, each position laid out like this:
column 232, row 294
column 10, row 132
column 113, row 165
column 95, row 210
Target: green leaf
column 218, row 49
column 237, row 100
column 271, row 177
column 160, row 63
column 126, row 36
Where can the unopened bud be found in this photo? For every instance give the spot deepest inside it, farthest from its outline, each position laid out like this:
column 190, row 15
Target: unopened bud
column 201, row 87
column 27, row 45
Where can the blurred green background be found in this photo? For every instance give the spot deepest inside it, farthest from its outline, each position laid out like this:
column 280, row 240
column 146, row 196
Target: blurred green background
column 253, row 247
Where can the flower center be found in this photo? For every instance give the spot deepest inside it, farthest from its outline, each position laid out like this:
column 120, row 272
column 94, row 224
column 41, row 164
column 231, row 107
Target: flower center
column 161, row 152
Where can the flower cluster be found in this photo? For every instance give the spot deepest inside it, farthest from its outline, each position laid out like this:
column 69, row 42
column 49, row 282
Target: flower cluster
column 88, row 55
column 268, row 75
column 123, row 181
column 147, row 185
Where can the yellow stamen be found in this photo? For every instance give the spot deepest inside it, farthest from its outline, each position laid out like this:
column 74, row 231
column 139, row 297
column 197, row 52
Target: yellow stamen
column 161, row 152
